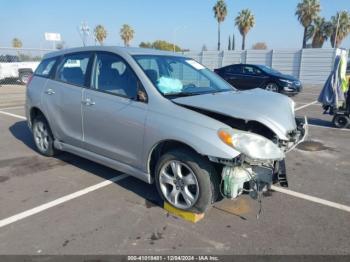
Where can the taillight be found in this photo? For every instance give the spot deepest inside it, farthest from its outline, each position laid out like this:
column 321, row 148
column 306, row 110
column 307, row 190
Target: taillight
column 29, row 80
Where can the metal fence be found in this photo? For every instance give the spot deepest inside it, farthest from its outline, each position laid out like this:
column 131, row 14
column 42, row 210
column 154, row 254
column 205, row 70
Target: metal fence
column 17, row 64
column 311, row 66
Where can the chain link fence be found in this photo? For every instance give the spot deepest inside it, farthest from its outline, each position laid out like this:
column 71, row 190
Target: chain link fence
column 18, row 64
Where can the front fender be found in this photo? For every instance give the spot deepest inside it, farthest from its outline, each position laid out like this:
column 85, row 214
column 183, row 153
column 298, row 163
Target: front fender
column 203, row 140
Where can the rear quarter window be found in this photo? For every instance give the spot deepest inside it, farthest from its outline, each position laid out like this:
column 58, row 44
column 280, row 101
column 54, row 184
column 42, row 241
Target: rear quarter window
column 45, row 67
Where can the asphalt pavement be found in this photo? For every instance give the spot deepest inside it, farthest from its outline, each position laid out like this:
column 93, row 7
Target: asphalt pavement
column 67, row 205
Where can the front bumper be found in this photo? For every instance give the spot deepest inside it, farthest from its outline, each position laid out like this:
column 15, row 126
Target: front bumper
column 291, row 89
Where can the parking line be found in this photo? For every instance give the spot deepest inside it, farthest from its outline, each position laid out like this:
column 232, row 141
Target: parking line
column 309, row 104
column 303, row 103
column 330, row 127
column 12, row 107
column 38, row 209
column 13, row 115
column 311, row 198
column 308, row 93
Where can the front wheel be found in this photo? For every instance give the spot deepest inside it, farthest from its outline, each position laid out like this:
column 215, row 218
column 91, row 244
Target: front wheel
column 187, row 180
column 271, row 87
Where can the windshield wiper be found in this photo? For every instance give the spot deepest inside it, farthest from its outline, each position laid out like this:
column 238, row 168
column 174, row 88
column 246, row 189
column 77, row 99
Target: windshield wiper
column 182, row 94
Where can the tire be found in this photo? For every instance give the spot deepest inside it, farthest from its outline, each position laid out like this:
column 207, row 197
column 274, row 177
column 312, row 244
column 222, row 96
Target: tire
column 203, row 183
column 271, row 87
column 24, row 76
column 341, row 121
column 43, row 138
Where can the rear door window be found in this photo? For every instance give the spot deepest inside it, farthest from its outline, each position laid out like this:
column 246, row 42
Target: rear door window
column 73, row 69
column 45, row 67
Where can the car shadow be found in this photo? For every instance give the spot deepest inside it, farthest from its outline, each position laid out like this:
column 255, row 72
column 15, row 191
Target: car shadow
column 320, row 122
column 148, row 192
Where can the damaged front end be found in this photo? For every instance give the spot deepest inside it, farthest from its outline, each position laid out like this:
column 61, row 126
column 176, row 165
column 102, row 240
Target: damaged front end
column 261, row 162
column 261, row 128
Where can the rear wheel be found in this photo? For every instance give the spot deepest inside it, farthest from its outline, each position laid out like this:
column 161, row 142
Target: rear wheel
column 271, row 87
column 341, row 121
column 187, row 180
column 43, row 137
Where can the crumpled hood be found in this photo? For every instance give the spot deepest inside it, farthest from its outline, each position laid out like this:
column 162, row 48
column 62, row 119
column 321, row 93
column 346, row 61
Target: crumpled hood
column 274, row 110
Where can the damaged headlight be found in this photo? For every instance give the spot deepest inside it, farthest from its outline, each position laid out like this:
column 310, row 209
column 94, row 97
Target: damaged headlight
column 254, row 146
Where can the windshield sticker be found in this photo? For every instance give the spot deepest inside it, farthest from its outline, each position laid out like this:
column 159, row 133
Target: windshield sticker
column 169, row 85
column 195, row 64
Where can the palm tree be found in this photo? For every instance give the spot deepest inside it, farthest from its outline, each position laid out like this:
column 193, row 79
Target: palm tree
column 244, row 21
column 307, row 11
column 341, row 27
column 319, row 31
column 100, row 34
column 233, row 42
column 16, row 43
column 127, row 34
column 220, row 13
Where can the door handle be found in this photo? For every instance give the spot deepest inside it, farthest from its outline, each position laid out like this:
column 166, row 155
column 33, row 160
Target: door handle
column 88, row 102
column 49, row 91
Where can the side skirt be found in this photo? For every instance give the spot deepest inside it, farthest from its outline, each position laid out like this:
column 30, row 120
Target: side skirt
column 105, row 161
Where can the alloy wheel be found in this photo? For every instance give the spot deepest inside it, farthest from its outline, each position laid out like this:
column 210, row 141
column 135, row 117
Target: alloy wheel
column 179, row 184
column 41, row 137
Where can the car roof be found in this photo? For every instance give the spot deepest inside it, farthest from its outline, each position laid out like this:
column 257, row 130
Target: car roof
column 247, row 64
column 126, row 50
column 241, row 64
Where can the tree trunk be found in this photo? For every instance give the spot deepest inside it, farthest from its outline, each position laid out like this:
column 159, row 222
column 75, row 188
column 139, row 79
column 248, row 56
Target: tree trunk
column 332, row 40
column 337, row 42
column 304, row 37
column 243, row 41
column 317, row 41
column 233, row 42
column 218, row 36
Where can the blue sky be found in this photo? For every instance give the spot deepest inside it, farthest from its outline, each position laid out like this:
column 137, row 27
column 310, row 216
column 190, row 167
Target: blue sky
column 192, row 20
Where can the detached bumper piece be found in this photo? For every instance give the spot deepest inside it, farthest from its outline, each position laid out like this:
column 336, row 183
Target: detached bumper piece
column 299, row 135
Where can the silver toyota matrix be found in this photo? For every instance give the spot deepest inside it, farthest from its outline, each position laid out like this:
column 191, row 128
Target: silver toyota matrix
column 163, row 118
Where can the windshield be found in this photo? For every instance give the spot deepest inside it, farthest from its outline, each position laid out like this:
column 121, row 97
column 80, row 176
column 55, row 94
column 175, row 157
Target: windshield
column 269, row 70
column 180, row 76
